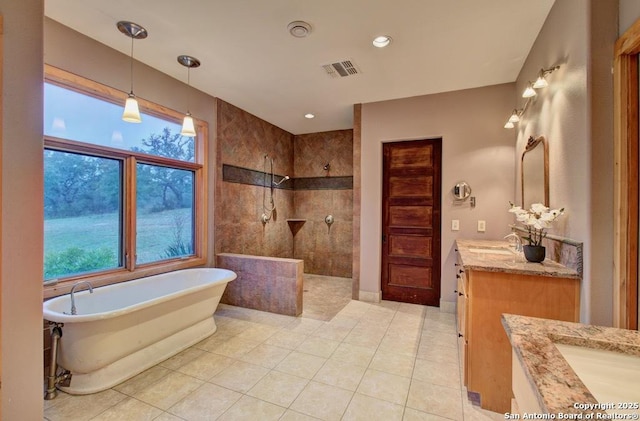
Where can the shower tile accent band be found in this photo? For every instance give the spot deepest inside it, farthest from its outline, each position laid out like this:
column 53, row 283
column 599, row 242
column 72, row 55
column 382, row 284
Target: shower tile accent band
column 233, row 174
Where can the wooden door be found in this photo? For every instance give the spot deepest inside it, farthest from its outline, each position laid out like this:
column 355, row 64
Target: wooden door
column 411, row 221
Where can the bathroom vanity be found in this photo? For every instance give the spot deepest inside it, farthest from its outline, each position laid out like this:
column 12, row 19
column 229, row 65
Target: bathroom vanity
column 492, row 279
column 571, row 368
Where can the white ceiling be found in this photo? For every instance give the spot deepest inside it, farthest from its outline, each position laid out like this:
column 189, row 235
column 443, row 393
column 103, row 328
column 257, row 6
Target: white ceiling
column 249, row 59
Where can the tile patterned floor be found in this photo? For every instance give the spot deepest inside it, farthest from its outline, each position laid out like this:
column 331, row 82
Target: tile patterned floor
column 386, row 361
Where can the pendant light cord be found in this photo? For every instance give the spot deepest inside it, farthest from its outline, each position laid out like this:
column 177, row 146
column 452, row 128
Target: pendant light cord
column 131, row 65
column 188, row 88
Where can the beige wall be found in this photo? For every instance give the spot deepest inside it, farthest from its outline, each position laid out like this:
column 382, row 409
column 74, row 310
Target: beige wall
column 575, row 113
column 629, row 12
column 475, row 148
column 76, row 53
column 22, row 210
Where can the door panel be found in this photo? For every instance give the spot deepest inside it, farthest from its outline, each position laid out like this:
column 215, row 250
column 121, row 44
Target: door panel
column 411, row 221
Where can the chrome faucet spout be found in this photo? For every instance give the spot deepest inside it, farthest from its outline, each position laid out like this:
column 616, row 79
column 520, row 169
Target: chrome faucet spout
column 516, row 237
column 73, row 290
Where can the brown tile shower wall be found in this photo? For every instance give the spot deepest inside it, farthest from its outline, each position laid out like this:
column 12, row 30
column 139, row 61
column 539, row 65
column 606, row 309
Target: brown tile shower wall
column 326, row 250
column 243, row 140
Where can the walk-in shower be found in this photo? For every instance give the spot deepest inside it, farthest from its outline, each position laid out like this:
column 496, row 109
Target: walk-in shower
column 269, row 184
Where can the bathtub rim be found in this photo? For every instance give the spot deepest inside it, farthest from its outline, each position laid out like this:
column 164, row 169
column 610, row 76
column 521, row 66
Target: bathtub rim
column 57, row 317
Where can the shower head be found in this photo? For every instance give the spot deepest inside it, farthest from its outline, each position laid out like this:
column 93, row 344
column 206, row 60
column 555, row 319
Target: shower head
column 285, row 178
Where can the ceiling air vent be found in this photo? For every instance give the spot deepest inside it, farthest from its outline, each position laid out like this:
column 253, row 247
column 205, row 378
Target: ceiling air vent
column 341, row 69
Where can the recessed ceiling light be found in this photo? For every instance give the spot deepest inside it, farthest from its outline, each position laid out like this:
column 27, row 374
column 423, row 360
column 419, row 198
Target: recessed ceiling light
column 309, row 116
column 382, row 41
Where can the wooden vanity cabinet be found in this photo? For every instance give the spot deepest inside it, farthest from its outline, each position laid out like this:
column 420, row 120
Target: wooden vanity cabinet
column 461, row 307
column 485, row 350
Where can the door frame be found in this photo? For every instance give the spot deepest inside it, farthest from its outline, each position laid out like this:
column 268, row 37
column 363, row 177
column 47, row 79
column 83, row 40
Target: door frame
column 626, row 178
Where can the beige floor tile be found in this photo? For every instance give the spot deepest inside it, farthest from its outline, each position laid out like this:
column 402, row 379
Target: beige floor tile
column 320, row 347
column 301, row 365
column 85, row 407
column 258, row 333
column 267, row 356
column 182, row 358
column 239, row 376
column 435, row 399
column 286, row 339
column 290, row 415
column 340, row 374
column 439, row 339
column 438, row 354
column 366, row 408
column 354, row 354
column 142, row 380
column 390, row 362
column 476, row 413
column 278, row 388
column 213, row 341
column 252, row 409
column 363, row 335
column 207, row 403
column 447, row 326
column 397, row 344
column 304, row 326
column 411, row 414
column 333, row 332
column 385, row 386
column 206, row 366
column 167, row 417
column 129, row 409
column 443, row 374
column 322, row 401
column 230, row 327
column 169, row 390
column 235, row 347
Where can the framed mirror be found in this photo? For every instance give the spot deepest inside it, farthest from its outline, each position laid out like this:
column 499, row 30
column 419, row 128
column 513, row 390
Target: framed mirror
column 534, row 172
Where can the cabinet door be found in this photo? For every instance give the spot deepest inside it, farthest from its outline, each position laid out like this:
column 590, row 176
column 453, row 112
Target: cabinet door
column 461, row 305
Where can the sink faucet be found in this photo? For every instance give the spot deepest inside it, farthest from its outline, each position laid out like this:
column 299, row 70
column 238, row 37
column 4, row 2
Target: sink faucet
column 516, row 237
column 73, row 290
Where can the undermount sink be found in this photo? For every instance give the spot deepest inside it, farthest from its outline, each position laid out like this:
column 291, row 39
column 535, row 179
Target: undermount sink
column 491, row 250
column 610, row 376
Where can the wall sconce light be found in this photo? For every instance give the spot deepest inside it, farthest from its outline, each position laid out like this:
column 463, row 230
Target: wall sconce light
column 541, row 82
column 131, row 112
column 188, row 128
column 530, row 92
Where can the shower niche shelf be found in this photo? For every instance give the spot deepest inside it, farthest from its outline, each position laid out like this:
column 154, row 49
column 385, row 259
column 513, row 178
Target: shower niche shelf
column 295, row 224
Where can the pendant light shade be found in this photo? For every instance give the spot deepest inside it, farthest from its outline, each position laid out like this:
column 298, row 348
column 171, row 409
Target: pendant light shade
column 131, row 113
column 188, row 128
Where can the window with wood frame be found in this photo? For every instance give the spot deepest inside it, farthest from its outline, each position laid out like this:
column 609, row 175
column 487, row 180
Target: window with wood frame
column 121, row 200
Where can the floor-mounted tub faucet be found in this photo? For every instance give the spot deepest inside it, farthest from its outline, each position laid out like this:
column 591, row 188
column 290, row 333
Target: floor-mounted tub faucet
column 73, row 290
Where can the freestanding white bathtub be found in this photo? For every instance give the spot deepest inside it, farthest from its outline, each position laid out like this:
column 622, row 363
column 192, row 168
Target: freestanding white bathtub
column 121, row 330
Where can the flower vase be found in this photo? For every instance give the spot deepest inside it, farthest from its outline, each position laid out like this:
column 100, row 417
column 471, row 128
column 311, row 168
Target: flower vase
column 534, row 254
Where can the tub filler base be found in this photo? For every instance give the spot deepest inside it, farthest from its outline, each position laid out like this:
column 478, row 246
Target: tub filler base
column 134, row 364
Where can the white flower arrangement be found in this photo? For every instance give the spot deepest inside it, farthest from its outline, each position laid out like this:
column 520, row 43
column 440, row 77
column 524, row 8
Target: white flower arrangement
column 536, row 220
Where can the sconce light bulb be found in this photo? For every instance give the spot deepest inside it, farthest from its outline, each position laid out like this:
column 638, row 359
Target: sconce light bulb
column 514, row 117
column 509, row 125
column 541, row 82
column 529, row 92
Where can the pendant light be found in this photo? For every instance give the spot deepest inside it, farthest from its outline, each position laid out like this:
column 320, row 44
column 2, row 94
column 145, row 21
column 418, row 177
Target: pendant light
column 131, row 112
column 188, row 128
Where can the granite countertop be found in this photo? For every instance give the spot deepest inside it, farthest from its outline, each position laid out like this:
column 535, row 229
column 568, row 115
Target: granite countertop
column 557, row 385
column 509, row 263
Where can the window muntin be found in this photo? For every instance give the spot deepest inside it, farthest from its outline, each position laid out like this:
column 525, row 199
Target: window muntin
column 164, row 213
column 76, row 116
column 82, row 214
column 190, row 158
